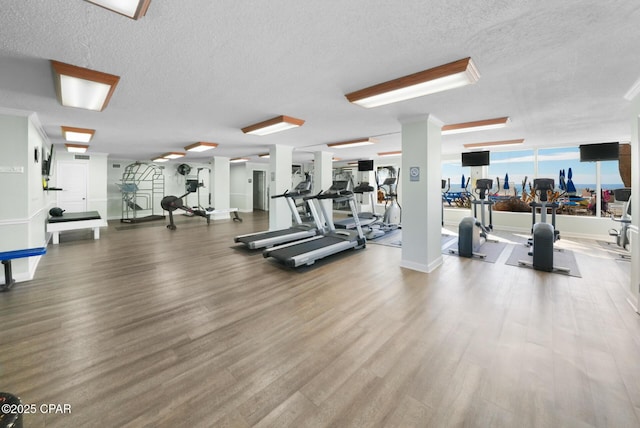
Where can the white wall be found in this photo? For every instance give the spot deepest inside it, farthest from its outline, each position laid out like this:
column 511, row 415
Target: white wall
column 24, row 211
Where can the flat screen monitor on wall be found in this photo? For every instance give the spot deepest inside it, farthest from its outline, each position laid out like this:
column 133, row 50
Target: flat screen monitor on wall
column 599, row 152
column 365, row 165
column 475, row 158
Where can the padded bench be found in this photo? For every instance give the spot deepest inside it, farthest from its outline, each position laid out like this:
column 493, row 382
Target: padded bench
column 7, row 256
column 75, row 221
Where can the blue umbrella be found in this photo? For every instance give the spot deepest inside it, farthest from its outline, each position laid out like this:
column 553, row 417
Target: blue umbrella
column 464, row 183
column 561, row 182
column 506, row 181
column 570, row 186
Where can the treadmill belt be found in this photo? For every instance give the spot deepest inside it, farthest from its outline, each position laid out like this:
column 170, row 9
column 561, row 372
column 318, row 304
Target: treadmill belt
column 304, row 247
column 267, row 235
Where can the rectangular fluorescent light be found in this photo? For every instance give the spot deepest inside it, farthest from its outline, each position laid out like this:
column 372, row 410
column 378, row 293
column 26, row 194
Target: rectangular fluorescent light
column 173, row 155
column 134, row 9
column 77, row 135
column 387, row 154
column 444, row 77
column 478, row 125
column 264, row 156
column 238, row 160
column 159, row 159
column 270, row 126
column 494, row 143
column 83, row 88
column 76, row 148
column 200, row 146
column 353, row 143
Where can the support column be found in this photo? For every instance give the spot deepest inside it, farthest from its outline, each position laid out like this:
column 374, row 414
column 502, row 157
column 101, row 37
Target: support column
column 221, row 177
column 323, row 176
column 421, row 182
column 279, row 181
column 634, row 285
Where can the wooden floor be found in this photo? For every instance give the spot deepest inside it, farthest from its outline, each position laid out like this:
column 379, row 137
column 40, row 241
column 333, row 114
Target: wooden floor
column 148, row 327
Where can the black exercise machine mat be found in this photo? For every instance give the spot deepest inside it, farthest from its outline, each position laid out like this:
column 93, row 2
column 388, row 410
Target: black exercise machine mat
column 87, row 215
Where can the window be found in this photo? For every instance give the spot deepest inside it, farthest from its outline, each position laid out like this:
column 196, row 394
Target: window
column 517, row 165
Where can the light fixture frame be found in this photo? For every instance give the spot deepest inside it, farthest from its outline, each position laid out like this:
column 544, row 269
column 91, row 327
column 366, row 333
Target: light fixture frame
column 255, row 128
column 238, row 160
column 141, row 10
column 494, row 143
column 67, row 129
column 264, row 155
column 477, row 125
column 393, row 153
column 76, row 148
column 159, row 159
column 197, row 147
column 63, row 69
column 464, row 66
column 353, row 143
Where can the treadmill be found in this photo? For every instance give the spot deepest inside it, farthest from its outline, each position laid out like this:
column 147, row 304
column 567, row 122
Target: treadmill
column 307, row 251
column 274, row 237
column 366, row 218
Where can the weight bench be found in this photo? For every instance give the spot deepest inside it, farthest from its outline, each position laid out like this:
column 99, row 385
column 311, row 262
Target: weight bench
column 6, row 258
column 75, row 221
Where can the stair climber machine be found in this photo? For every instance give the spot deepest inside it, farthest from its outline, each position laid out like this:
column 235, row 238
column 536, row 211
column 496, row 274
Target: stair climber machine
column 298, row 231
column 544, row 234
column 332, row 241
column 473, row 233
column 622, row 235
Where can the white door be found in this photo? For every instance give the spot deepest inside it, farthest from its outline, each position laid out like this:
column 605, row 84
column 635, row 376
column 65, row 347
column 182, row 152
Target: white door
column 71, row 177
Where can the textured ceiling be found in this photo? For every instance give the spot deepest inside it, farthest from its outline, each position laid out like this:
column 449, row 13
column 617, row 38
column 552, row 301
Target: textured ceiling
column 200, row 70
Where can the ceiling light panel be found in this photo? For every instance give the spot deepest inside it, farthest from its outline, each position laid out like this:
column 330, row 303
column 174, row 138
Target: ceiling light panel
column 479, row 125
column 353, row 143
column 134, row 9
column 173, row 155
column 271, row 126
column 76, row 148
column 77, row 135
column 494, row 143
column 448, row 76
column 200, row 146
column 81, row 87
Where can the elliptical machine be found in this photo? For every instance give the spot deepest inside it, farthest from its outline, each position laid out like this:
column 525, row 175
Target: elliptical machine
column 544, row 234
column 622, row 235
column 472, row 234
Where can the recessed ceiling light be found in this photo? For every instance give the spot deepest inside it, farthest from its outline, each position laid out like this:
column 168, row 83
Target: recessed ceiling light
column 353, row 143
column 478, row 125
column 448, row 76
column 134, row 9
column 238, row 160
column 83, row 88
column 270, row 126
column 200, row 146
column 494, row 143
column 76, row 148
column 77, row 135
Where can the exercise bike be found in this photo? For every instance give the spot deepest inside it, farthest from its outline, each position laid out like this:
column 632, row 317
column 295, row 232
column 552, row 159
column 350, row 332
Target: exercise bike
column 473, row 233
column 544, row 234
column 622, row 235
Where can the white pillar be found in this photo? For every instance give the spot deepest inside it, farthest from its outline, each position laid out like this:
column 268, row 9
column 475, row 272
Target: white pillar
column 323, row 176
column 279, row 181
column 421, row 182
column 221, row 177
column 634, row 286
